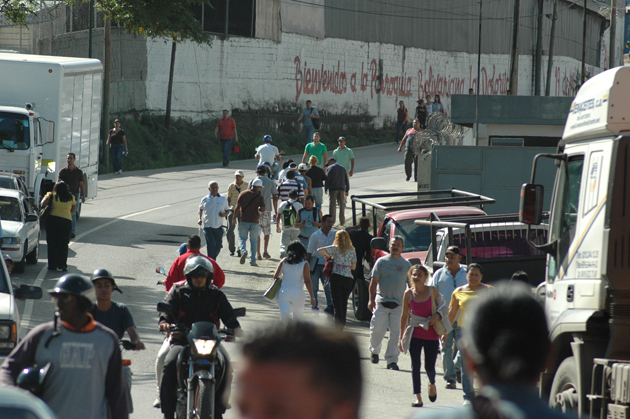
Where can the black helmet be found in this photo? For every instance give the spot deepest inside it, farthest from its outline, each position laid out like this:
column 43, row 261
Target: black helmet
column 105, row 274
column 198, row 265
column 79, row 285
column 32, row 379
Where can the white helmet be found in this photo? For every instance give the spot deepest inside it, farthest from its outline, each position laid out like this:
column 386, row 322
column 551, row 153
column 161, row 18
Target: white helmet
column 198, row 265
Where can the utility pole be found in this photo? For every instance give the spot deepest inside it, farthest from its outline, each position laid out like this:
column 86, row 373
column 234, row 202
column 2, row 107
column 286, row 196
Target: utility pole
column 514, row 54
column 538, row 68
column 169, row 95
column 107, row 71
column 583, row 45
column 478, row 77
column 91, row 28
column 554, row 17
column 613, row 33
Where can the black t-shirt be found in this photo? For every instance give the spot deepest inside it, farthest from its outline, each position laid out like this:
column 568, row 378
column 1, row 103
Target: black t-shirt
column 117, row 137
column 361, row 241
column 118, row 318
column 422, row 116
column 72, row 177
column 317, row 175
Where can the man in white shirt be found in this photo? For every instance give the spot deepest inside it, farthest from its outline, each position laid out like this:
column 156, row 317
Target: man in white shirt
column 269, row 154
column 213, row 208
column 289, row 215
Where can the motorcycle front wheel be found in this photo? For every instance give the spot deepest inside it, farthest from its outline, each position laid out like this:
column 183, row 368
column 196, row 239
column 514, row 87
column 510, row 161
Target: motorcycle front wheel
column 204, row 399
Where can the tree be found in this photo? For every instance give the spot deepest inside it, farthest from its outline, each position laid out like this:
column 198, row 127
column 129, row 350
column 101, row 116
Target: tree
column 172, row 19
column 17, row 11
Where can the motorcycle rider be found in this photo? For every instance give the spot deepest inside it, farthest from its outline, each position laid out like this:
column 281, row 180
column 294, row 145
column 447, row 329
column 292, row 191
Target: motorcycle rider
column 196, row 300
column 84, row 357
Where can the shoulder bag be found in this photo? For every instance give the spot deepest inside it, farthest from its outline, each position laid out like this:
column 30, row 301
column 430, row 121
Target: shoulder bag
column 328, row 268
column 44, row 213
column 438, row 327
column 272, row 291
column 316, row 121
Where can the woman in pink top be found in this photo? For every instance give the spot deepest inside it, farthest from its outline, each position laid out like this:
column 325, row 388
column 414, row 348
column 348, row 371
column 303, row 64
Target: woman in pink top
column 418, row 301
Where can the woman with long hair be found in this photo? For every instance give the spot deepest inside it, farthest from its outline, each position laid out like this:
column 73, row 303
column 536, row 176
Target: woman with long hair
column 438, row 106
column 460, row 300
column 416, row 328
column 341, row 280
column 296, row 273
column 59, row 225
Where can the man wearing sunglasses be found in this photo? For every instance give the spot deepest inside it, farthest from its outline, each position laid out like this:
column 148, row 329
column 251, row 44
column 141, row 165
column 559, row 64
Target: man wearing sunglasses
column 84, row 357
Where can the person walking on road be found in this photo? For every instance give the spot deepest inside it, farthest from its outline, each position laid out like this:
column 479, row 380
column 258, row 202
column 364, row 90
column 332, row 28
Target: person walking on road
column 337, row 187
column 302, row 168
column 270, row 193
column 344, row 156
column 59, row 225
column 289, row 216
column 315, row 148
column 234, row 190
column 73, row 176
column 402, row 119
column 423, row 307
column 388, row 282
column 318, row 178
column 411, row 158
column 288, row 185
column 308, row 115
column 212, row 209
column 225, row 131
column 117, row 141
column 310, row 220
column 460, row 300
column 323, row 237
column 452, row 275
column 249, row 205
column 296, row 273
column 422, row 114
column 341, row 281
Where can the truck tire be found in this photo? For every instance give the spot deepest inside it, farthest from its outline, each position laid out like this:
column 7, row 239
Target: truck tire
column 360, row 297
column 564, row 394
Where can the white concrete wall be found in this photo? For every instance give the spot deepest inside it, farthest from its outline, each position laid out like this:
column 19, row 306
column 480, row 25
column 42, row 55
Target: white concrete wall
column 339, row 76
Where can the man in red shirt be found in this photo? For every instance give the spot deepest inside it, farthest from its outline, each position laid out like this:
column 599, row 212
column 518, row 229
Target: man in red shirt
column 176, row 274
column 411, row 158
column 225, row 131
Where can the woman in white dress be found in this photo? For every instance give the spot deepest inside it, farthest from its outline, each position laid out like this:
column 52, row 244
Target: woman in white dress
column 296, row 273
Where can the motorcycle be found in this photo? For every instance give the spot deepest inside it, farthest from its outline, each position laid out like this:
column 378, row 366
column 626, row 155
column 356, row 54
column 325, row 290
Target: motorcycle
column 205, row 365
column 128, row 345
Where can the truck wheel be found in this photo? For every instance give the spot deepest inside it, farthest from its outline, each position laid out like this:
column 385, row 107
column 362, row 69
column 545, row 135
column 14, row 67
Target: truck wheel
column 564, row 394
column 360, row 297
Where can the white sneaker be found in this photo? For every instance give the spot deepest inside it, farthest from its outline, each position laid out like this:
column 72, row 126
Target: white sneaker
column 466, row 402
column 120, row 172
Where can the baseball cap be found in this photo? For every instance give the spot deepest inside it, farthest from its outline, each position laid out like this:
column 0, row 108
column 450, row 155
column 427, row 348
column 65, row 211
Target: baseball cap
column 302, row 166
column 261, row 167
column 257, row 182
column 239, row 173
column 454, row 250
column 342, row 139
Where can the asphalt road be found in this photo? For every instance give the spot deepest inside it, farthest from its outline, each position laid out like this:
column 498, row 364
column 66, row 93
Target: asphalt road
column 137, row 223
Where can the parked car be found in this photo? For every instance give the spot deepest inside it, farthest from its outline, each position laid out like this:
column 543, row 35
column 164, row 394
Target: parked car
column 19, row 404
column 20, row 228
column 9, row 315
column 13, row 181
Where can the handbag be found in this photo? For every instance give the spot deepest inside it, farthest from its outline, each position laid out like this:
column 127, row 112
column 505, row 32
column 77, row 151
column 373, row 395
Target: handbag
column 316, row 121
column 438, row 327
column 328, row 268
column 272, row 291
column 45, row 212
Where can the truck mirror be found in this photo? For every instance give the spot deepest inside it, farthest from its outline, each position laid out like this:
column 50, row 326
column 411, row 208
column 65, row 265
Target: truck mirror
column 378, row 243
column 50, row 132
column 530, row 209
column 28, row 292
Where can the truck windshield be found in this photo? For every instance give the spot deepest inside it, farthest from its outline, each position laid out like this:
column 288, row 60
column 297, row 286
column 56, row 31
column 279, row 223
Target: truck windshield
column 417, row 238
column 14, row 131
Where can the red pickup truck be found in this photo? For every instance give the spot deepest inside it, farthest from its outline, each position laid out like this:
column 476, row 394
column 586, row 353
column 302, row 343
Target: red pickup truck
column 398, row 220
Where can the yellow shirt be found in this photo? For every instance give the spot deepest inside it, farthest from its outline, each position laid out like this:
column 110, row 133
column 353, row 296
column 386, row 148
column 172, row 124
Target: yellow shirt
column 464, row 298
column 60, row 209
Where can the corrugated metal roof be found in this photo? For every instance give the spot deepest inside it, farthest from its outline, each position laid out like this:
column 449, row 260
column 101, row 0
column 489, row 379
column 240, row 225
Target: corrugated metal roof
column 601, row 7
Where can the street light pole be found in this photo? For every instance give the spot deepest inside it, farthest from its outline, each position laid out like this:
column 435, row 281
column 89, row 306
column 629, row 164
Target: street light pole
column 478, row 77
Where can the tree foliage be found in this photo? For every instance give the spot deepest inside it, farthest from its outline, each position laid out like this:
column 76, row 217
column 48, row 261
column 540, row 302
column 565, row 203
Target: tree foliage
column 173, row 19
column 17, row 11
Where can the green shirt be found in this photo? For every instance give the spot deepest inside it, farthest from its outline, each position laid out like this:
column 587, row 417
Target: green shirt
column 317, row 151
column 344, row 157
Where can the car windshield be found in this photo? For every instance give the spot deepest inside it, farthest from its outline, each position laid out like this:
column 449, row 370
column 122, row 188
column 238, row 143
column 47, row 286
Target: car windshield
column 14, row 131
column 417, row 238
column 10, row 209
column 7, row 183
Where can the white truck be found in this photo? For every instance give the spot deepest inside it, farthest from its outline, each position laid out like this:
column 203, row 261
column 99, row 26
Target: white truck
column 49, row 107
column 586, row 292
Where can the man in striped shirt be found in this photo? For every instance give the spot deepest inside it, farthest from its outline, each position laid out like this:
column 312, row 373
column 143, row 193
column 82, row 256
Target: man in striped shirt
column 288, row 185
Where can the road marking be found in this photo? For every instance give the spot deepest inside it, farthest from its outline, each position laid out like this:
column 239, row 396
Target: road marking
column 28, row 307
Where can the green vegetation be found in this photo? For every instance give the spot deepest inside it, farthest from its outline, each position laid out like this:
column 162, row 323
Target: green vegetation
column 189, row 143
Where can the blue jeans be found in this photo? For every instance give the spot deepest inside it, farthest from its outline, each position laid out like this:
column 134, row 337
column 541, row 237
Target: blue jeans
column 318, row 194
column 450, row 366
column 214, row 241
column 253, row 229
column 117, row 150
column 315, row 278
column 309, row 130
column 77, row 197
column 225, row 149
column 467, row 378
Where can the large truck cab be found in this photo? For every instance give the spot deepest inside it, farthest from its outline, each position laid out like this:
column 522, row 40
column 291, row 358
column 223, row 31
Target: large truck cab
column 586, row 292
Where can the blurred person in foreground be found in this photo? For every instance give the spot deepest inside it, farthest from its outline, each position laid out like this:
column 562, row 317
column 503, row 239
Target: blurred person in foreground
column 300, row 370
column 506, row 344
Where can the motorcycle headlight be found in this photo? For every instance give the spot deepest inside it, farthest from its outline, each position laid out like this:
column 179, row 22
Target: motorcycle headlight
column 12, row 240
column 204, row 347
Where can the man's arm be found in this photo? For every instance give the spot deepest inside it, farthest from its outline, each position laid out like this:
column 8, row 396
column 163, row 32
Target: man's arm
column 275, row 204
column 135, row 338
column 21, row 357
column 351, row 167
column 200, row 222
column 402, row 143
column 82, row 188
column 216, row 132
column 305, row 156
column 218, row 277
column 172, row 276
column 372, row 302
column 235, row 134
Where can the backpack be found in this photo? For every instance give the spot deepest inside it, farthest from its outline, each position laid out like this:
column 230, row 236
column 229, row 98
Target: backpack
column 289, row 215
